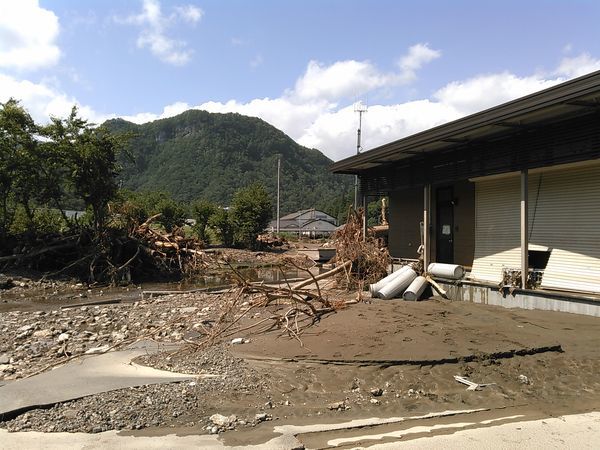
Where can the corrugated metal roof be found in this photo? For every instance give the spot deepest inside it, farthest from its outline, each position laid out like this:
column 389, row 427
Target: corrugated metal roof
column 574, row 97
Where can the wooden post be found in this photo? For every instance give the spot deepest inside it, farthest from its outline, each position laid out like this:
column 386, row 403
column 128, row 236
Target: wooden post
column 524, row 228
column 426, row 223
column 364, row 224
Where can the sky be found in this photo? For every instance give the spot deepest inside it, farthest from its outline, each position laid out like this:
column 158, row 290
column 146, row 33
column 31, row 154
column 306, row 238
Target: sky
column 301, row 65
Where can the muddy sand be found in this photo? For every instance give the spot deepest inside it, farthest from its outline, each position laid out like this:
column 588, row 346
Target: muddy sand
column 379, row 359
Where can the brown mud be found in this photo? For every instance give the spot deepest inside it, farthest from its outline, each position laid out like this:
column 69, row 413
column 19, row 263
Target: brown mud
column 373, row 359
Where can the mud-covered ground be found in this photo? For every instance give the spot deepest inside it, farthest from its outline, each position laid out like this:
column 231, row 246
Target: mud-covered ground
column 373, row 359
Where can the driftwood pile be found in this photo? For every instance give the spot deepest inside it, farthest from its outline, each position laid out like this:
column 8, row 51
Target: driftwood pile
column 110, row 256
column 170, row 253
column 369, row 256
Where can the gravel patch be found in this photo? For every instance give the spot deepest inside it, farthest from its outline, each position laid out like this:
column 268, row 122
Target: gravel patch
column 33, row 340
column 177, row 404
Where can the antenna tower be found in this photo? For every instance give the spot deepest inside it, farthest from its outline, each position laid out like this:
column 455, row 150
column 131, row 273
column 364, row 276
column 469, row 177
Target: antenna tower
column 359, row 108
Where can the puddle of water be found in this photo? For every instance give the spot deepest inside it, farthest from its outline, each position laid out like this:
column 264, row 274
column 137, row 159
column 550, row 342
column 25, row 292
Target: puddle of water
column 48, row 299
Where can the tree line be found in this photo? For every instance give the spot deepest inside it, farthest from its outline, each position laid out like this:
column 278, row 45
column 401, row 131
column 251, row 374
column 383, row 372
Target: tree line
column 72, row 164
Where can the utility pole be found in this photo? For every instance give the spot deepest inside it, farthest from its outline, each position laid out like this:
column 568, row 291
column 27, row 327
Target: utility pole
column 278, row 172
column 360, row 109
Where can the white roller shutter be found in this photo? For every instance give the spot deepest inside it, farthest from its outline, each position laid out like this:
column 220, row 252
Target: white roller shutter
column 497, row 225
column 566, row 218
column 564, row 215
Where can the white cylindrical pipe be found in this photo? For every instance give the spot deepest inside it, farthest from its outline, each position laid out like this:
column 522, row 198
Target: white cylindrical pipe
column 416, row 288
column 452, row 271
column 374, row 288
column 395, row 287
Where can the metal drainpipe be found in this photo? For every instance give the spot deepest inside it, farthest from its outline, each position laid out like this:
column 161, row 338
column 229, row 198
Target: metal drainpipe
column 426, row 224
column 524, row 227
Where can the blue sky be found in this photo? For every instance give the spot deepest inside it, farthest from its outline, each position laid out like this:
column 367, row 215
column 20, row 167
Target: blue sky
column 300, row 65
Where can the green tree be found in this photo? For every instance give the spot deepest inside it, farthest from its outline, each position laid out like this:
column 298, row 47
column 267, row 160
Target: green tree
column 222, row 223
column 17, row 162
column 172, row 213
column 251, row 211
column 202, row 210
column 90, row 156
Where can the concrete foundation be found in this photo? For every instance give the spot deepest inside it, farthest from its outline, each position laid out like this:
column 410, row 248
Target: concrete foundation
column 521, row 298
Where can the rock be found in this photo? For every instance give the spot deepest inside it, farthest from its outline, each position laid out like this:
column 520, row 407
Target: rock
column 523, row 379
column 97, row 350
column 338, row 406
column 237, row 341
column 6, row 283
column 118, row 336
column 261, row 417
column 188, row 309
column 63, row 337
column 222, row 421
column 24, row 334
column 377, row 392
column 42, row 333
column 374, row 401
column 4, row 359
column 25, row 328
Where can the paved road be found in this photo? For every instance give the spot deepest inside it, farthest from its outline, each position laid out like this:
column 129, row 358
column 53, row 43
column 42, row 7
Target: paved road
column 85, row 376
column 578, row 431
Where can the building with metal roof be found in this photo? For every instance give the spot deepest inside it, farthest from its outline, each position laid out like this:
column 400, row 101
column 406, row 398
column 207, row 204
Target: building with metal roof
column 510, row 190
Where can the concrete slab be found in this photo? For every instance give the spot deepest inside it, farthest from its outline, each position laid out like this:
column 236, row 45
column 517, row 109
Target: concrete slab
column 116, row 440
column 88, row 375
column 581, row 431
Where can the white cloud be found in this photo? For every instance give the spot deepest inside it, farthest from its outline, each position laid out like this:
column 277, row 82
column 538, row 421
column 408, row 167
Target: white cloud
column 418, row 55
column 318, row 112
column 341, row 79
column 27, row 35
column 350, row 78
column 168, row 111
column 256, row 61
column 43, row 100
column 578, row 65
column 189, row 13
column 485, row 91
column 154, row 25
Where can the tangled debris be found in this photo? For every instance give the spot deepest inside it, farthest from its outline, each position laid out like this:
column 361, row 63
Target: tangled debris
column 370, row 258
column 113, row 255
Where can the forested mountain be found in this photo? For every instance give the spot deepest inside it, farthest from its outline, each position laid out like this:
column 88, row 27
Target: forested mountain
column 208, row 155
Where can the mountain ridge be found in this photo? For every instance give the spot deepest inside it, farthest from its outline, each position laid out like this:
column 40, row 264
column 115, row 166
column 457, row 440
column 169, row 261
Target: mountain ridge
column 198, row 154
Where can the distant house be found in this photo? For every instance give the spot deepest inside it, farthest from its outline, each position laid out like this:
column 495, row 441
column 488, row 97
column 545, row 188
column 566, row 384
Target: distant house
column 307, row 222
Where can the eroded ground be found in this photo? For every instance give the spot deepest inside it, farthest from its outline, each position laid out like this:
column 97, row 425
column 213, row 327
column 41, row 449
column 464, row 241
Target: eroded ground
column 379, row 359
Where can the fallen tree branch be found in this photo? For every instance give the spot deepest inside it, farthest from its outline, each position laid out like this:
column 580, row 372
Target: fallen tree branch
column 436, row 286
column 322, row 276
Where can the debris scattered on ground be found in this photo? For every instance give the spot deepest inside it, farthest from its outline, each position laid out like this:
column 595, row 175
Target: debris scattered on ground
column 472, row 386
column 524, row 379
column 206, row 324
column 377, row 392
column 339, row 406
column 370, row 258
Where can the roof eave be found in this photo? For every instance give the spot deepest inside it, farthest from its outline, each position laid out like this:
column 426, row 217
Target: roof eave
column 562, row 93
